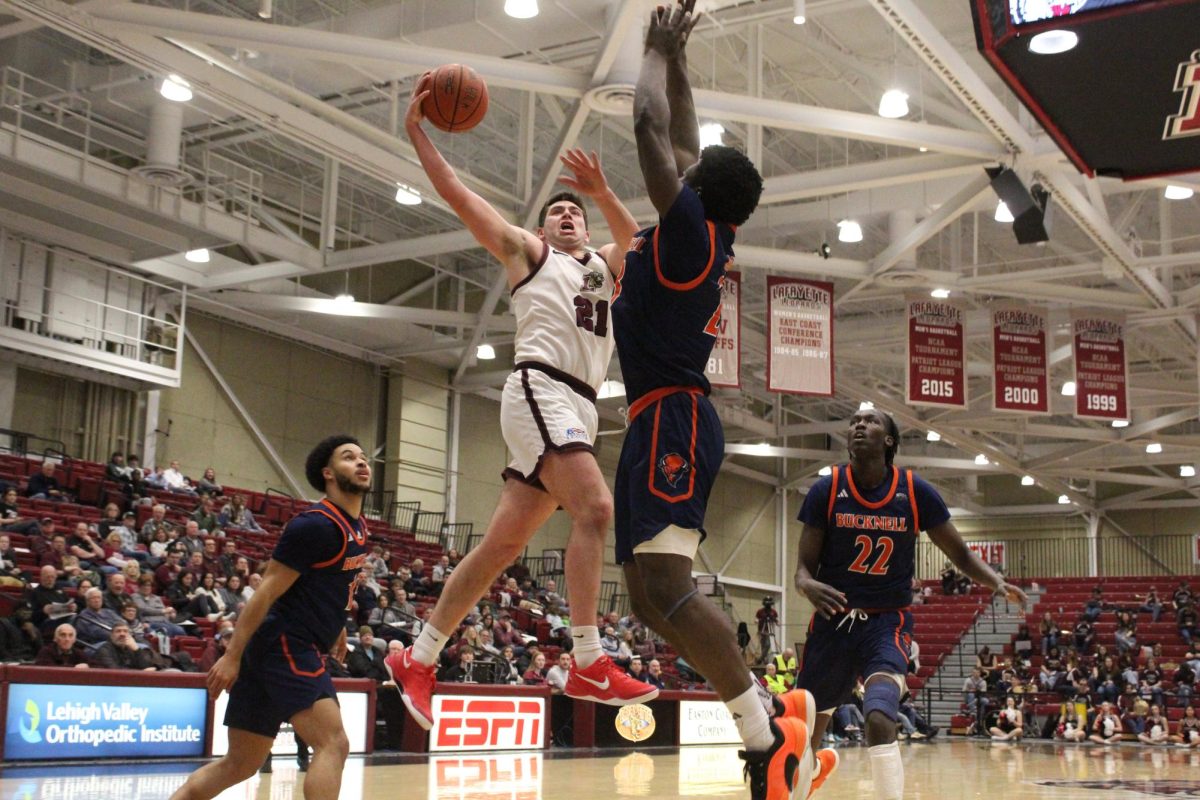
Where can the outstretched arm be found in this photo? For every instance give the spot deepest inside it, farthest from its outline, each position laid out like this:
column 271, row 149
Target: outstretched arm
column 515, row 248
column 652, row 108
column 948, row 540
column 685, row 128
column 589, row 180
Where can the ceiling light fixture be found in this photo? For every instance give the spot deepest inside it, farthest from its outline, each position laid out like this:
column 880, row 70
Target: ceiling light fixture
column 940, row 294
column 1120, row 423
column 407, row 195
column 1051, row 43
column 521, row 9
column 264, row 9
column 933, row 436
column 823, row 471
column 197, row 256
column 1003, row 214
column 893, row 104
column 1068, row 389
column 1063, row 500
column 1187, row 471
column 711, row 133
column 981, row 460
column 485, row 352
column 610, row 389
column 849, row 231
column 1154, row 448
column 1173, row 192
column 1027, row 480
column 175, row 88
column 799, row 12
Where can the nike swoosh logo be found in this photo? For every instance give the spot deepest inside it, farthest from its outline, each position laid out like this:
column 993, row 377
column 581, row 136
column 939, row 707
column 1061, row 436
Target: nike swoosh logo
column 601, row 686
column 407, row 663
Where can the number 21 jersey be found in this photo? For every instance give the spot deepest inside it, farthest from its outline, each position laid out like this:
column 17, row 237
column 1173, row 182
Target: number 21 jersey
column 870, row 548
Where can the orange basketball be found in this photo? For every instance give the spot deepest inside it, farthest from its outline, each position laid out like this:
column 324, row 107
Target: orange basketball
column 458, row 99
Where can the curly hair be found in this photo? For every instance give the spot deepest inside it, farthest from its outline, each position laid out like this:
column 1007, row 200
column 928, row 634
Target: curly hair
column 893, row 431
column 728, row 184
column 558, row 197
column 318, row 459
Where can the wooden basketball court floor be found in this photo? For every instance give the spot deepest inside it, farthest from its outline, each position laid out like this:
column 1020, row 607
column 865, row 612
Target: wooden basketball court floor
column 947, row 770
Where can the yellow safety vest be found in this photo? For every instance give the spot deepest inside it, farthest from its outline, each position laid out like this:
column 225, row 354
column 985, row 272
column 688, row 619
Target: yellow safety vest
column 776, row 683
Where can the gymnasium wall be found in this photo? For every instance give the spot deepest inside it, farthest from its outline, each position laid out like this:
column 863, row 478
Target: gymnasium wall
column 91, row 419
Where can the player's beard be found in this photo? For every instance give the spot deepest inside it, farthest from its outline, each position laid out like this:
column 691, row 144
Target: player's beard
column 348, row 485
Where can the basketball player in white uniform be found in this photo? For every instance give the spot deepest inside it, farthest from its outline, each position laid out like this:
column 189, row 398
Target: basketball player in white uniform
column 560, row 293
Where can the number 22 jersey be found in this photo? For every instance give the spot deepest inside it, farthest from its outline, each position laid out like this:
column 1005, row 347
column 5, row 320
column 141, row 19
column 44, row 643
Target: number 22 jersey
column 870, row 547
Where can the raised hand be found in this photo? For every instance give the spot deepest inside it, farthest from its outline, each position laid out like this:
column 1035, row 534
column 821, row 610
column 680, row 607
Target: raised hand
column 589, row 179
column 670, row 27
column 415, row 116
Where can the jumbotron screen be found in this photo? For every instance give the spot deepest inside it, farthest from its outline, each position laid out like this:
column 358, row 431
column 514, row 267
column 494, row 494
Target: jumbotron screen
column 1026, row 11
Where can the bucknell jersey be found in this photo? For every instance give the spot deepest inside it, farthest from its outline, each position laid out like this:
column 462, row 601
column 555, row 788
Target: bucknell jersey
column 564, row 317
column 669, row 302
column 328, row 548
column 870, row 547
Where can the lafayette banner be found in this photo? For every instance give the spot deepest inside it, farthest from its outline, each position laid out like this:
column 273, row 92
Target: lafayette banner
column 725, row 363
column 1020, row 359
column 937, row 372
column 1098, row 341
column 800, row 336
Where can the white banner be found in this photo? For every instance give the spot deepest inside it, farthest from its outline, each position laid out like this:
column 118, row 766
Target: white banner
column 725, row 363
column 706, row 722
column 800, row 336
column 354, row 719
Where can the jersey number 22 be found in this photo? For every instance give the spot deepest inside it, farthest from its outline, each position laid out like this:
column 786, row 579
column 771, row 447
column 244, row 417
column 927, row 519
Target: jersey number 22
column 865, row 547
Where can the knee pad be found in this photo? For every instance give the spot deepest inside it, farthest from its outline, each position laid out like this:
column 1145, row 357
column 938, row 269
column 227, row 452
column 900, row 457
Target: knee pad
column 882, row 696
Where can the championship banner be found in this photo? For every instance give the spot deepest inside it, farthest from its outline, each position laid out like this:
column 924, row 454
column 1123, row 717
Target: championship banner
column 1020, row 360
column 937, row 369
column 725, row 363
column 1098, row 342
column 800, row 337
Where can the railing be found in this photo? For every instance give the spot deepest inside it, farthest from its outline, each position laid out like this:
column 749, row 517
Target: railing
column 18, row 444
column 1070, row 557
column 456, row 535
column 403, row 514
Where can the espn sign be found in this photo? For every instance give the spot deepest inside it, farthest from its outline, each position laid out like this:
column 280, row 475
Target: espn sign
column 472, row 722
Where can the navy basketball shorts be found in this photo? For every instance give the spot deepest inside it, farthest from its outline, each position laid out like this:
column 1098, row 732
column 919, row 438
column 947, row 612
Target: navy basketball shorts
column 279, row 678
column 834, row 658
column 669, row 461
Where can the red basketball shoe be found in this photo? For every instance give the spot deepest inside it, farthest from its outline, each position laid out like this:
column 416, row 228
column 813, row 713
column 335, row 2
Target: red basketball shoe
column 605, row 682
column 415, row 682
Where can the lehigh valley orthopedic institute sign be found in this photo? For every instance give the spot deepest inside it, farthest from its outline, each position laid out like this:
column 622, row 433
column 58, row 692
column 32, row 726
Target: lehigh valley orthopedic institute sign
column 706, row 722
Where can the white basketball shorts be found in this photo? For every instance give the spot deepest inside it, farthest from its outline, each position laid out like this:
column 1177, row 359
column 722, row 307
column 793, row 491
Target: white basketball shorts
column 544, row 411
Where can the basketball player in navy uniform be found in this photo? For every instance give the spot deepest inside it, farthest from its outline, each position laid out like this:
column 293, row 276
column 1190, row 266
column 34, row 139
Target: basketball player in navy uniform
column 274, row 667
column 666, row 321
column 561, row 295
column 856, row 566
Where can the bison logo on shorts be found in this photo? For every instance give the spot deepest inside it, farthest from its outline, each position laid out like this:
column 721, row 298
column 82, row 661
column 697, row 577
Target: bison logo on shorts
column 673, row 467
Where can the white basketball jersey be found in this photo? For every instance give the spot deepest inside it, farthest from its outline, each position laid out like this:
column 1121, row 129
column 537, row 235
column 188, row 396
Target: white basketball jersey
column 563, row 318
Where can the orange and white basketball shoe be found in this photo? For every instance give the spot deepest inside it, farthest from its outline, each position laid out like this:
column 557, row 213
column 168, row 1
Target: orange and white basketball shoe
column 415, row 683
column 605, row 682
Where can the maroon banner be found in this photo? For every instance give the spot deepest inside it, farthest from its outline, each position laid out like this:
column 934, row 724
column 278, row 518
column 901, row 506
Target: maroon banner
column 725, row 363
column 937, row 371
column 1098, row 341
column 800, row 337
column 1020, row 359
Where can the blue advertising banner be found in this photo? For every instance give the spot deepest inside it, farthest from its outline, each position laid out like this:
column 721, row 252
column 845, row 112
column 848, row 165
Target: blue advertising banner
column 54, row 721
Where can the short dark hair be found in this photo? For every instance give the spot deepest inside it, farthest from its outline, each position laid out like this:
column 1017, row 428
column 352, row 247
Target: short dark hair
column 559, row 197
column 893, row 431
column 728, row 183
column 318, row 459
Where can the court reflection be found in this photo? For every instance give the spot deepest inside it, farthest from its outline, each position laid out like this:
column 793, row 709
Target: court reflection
column 516, row 776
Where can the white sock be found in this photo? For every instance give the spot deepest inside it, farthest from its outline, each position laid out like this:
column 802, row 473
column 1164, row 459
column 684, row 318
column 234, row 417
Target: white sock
column 752, row 721
column 428, row 644
column 586, row 641
column 764, row 695
column 887, row 771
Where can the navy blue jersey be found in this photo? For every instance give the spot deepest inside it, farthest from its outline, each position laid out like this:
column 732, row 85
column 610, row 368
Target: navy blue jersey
column 668, row 301
column 328, row 548
column 870, row 548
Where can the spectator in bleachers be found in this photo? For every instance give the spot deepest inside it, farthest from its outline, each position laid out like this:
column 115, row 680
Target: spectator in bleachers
column 365, row 661
column 1095, row 605
column 1150, row 683
column 43, row 485
column 466, row 670
column 213, row 598
column 1134, row 718
column 1010, row 722
column 441, row 571
column 10, row 572
column 654, row 674
column 1106, row 728
column 137, row 628
column 377, row 563
column 120, row 651
column 252, row 584
column 156, row 522
column 208, row 482
column 192, row 541
column 211, row 558
column 504, row 634
column 401, row 604
column 1084, row 635
column 227, row 563
column 1052, row 670
column 1182, row 596
column 536, row 674
column 988, row 664
column 1156, row 730
column 517, row 570
column 114, row 593
column 58, row 548
column 560, row 626
column 127, row 530
column 611, row 646
column 386, row 621
column 1073, row 669
column 772, row 680
column 556, row 676
column 51, row 605
column 454, row 556
column 949, row 579
column 1185, row 623
column 156, row 614
column 1126, row 635
column 1189, row 728
column 167, row 572
column 1152, row 604
column 175, row 481
column 216, row 646
column 1070, row 728
column 182, row 596
column 786, row 665
column 236, row 515
column 1106, row 679
column 90, row 553
column 205, row 517
column 195, row 565
column 74, row 574
column 417, row 582
column 121, row 473
column 1184, row 680
column 1049, row 630
column 164, row 539
column 511, row 595
column 506, row 670
column 233, row 591
column 10, row 516
column 487, row 644
column 1023, row 642
column 95, row 622
column 63, row 651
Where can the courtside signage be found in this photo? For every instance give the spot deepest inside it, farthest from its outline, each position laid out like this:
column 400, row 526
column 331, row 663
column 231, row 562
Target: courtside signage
column 706, row 722
column 1101, row 389
column 57, row 721
column 481, row 722
column 725, row 363
column 937, row 370
column 800, row 337
column 1020, row 355
column 354, row 720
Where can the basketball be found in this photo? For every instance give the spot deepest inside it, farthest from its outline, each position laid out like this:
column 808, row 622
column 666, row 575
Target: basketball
column 458, row 99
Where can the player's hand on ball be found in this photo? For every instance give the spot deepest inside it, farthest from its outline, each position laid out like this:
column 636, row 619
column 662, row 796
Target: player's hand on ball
column 828, row 600
column 223, row 674
column 415, row 116
column 1014, row 594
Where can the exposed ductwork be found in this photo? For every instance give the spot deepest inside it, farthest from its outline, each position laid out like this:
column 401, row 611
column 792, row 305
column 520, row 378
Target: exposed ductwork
column 162, row 146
